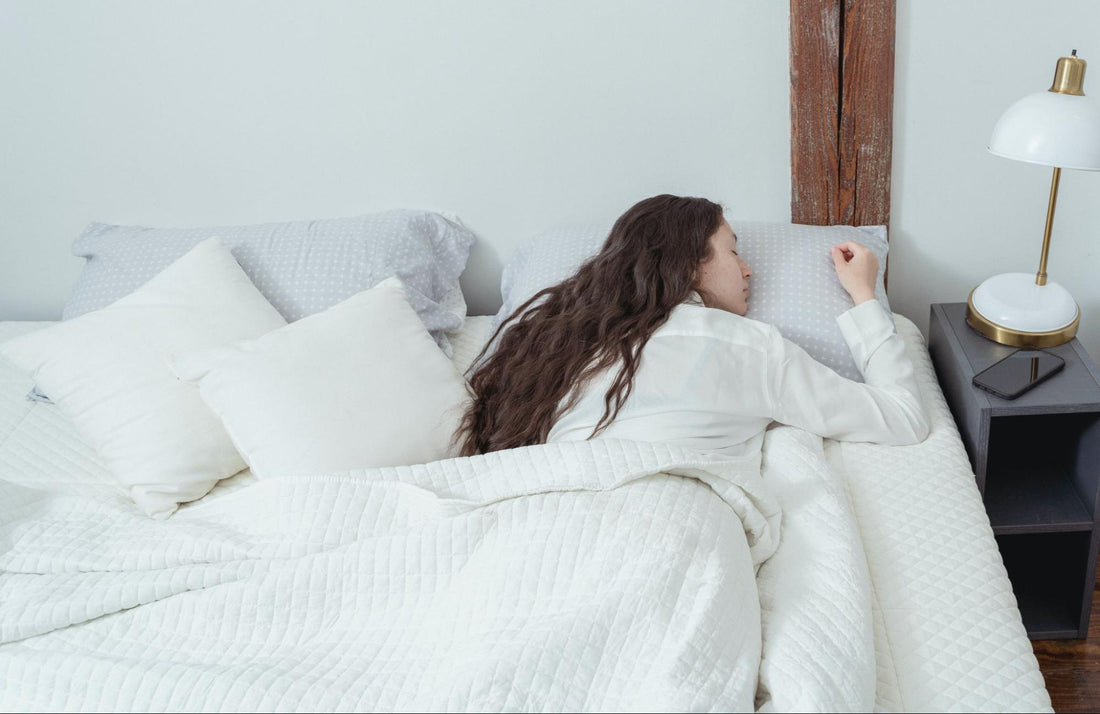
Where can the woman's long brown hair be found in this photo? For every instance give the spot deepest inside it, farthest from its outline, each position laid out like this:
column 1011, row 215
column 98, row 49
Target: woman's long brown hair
column 549, row 348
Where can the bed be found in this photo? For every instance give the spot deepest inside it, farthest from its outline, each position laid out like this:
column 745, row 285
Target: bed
column 592, row 576
column 887, row 590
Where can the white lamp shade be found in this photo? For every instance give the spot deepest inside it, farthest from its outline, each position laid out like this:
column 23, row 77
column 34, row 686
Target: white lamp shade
column 1052, row 129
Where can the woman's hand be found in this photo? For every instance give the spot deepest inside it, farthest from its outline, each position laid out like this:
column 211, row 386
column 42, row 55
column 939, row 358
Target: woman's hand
column 857, row 268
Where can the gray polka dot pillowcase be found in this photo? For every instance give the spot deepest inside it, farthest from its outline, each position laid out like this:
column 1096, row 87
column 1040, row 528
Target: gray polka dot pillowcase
column 301, row 267
column 544, row 260
column 794, row 284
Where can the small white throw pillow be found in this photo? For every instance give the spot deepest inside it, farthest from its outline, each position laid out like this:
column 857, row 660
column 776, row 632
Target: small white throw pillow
column 361, row 384
column 108, row 371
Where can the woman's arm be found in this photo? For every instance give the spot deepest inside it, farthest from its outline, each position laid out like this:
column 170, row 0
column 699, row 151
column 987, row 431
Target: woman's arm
column 886, row 409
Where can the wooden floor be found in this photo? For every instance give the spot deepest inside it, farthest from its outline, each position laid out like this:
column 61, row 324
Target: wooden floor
column 1072, row 667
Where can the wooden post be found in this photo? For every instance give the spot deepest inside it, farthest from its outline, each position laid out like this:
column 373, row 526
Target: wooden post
column 815, row 93
column 867, row 112
column 842, row 93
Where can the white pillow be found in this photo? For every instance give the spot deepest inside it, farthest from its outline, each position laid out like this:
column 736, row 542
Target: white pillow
column 361, row 384
column 107, row 371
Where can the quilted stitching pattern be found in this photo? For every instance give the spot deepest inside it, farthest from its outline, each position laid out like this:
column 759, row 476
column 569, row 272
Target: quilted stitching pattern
column 947, row 608
column 37, row 444
column 815, row 592
column 420, row 588
column 468, row 341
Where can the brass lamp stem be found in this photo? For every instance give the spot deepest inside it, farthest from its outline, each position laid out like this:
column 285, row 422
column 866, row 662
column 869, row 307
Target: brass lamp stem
column 1041, row 276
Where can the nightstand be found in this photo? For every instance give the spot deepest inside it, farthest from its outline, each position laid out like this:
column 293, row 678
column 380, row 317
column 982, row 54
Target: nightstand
column 1037, row 463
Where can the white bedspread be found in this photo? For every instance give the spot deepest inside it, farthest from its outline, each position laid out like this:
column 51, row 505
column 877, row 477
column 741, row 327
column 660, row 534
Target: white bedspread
column 947, row 635
column 605, row 575
column 815, row 592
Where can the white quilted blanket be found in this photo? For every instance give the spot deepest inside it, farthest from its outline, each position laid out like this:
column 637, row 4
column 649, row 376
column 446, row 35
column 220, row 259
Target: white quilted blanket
column 946, row 633
column 815, row 592
column 605, row 575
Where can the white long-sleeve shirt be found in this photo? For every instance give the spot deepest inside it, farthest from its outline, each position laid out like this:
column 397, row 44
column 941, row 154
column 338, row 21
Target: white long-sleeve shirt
column 713, row 381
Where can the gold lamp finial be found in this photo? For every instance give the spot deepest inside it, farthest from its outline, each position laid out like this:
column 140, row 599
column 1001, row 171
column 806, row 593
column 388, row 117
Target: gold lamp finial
column 1069, row 75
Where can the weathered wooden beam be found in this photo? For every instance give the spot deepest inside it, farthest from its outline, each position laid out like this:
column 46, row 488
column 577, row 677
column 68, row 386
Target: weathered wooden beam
column 815, row 93
column 867, row 112
column 842, row 93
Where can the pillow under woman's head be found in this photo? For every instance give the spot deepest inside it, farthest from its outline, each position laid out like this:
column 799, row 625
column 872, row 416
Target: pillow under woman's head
column 795, row 288
column 794, row 284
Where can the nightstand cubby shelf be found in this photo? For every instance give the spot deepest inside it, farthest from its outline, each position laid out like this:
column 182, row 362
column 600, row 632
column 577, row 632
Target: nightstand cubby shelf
column 1048, row 574
column 1039, row 484
column 1037, row 464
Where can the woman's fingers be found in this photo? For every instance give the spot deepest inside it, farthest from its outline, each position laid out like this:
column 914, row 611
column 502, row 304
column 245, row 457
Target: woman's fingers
column 850, row 249
column 857, row 268
column 841, row 256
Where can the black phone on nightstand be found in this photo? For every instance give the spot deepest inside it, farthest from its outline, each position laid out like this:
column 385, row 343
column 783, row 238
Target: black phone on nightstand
column 1019, row 372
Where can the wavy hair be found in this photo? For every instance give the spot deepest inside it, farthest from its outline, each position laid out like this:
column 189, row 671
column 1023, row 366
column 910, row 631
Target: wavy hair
column 553, row 344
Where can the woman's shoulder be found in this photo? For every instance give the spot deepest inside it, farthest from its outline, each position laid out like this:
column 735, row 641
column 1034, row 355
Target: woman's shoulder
column 713, row 324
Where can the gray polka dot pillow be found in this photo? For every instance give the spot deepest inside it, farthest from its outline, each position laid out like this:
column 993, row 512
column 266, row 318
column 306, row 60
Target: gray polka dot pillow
column 301, row 267
column 546, row 259
column 794, row 284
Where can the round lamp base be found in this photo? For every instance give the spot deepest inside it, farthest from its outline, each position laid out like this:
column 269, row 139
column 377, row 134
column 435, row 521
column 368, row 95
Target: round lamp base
column 1012, row 310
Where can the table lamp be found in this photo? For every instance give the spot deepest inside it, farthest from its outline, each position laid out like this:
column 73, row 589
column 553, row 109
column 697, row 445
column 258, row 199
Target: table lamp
column 1061, row 128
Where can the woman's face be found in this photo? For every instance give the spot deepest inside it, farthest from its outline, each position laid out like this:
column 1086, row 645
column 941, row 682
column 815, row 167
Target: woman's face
column 723, row 278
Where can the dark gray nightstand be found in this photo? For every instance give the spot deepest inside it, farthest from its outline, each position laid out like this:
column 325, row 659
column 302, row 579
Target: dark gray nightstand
column 1037, row 462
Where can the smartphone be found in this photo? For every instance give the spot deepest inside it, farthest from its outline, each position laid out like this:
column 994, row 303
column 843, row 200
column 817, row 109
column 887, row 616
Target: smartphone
column 1019, row 372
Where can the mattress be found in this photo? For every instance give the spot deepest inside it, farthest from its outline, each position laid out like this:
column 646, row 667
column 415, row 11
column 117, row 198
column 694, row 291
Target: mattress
column 946, row 633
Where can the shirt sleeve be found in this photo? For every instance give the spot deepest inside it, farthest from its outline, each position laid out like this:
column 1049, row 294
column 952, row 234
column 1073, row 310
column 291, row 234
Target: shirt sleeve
column 886, row 409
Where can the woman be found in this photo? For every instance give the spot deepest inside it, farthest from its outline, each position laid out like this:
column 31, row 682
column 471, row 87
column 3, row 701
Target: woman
column 648, row 341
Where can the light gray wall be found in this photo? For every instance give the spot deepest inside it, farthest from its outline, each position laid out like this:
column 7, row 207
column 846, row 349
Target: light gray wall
column 960, row 214
column 514, row 115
